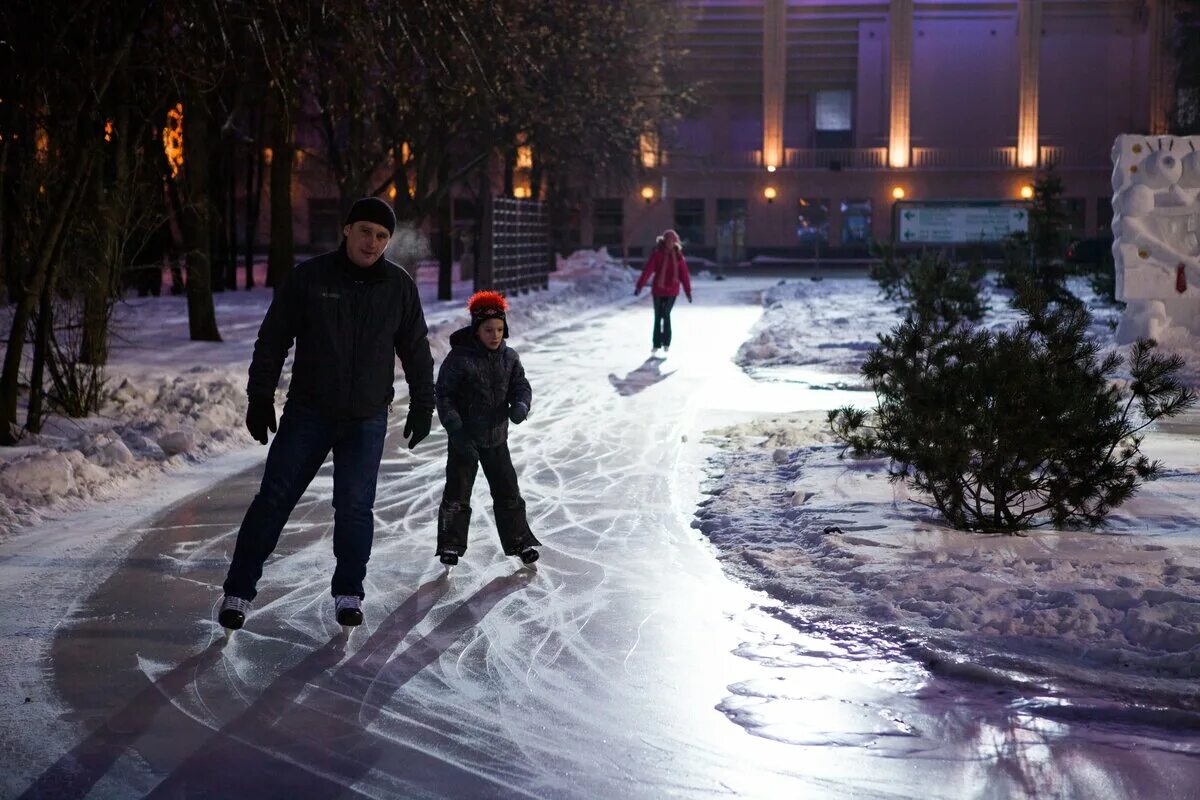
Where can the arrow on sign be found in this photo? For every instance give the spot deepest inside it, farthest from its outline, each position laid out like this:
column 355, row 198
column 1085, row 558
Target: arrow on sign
column 909, row 215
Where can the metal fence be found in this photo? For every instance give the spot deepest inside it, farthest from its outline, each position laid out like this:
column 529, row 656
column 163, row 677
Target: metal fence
column 515, row 254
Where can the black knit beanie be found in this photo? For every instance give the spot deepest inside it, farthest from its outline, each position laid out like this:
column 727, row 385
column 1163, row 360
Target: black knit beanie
column 372, row 209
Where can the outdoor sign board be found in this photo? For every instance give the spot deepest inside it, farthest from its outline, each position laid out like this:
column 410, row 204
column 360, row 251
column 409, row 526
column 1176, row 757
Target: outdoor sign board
column 958, row 221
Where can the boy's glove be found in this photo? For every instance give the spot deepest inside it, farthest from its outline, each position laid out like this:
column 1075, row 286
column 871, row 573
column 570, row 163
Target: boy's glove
column 461, row 443
column 260, row 417
column 416, row 425
column 517, row 413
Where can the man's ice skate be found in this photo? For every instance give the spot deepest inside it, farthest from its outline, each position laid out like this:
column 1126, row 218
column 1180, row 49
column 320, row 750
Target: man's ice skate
column 349, row 610
column 448, row 557
column 233, row 613
column 529, row 555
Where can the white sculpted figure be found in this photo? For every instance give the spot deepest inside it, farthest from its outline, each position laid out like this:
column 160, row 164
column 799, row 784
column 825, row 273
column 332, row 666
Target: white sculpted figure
column 1156, row 231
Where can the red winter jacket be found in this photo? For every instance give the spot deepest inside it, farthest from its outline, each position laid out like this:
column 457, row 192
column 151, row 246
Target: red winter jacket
column 667, row 277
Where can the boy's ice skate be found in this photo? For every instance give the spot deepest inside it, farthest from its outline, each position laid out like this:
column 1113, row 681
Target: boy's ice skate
column 349, row 610
column 529, row 555
column 448, row 557
column 233, row 612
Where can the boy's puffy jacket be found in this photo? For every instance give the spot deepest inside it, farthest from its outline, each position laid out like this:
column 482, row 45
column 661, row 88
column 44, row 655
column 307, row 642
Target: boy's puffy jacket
column 477, row 386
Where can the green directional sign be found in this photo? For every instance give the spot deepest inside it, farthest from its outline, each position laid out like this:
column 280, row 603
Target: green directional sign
column 959, row 221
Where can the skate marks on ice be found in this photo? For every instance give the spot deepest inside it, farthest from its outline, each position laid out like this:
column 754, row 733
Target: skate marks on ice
column 76, row 772
column 308, row 732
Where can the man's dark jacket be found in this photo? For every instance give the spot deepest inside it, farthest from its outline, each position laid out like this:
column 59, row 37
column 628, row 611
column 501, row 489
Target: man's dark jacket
column 349, row 324
column 476, row 386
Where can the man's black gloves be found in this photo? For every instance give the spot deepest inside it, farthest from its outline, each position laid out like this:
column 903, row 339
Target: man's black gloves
column 517, row 413
column 260, row 417
column 461, row 443
column 416, row 425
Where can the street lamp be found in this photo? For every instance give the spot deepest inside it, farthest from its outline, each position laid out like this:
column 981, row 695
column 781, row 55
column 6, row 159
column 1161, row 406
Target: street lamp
column 1027, row 192
column 770, row 194
column 898, row 193
column 770, row 167
column 647, row 194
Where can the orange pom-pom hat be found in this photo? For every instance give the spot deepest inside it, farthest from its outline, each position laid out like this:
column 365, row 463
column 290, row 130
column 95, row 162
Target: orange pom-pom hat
column 487, row 305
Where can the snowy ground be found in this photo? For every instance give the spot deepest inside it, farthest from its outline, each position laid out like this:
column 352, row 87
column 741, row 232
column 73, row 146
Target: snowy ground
column 626, row 665
column 832, row 536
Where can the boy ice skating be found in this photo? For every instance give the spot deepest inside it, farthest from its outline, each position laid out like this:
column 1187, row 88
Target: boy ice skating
column 350, row 312
column 481, row 387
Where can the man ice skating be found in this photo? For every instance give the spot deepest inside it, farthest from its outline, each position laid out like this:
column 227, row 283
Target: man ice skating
column 350, row 313
column 481, row 388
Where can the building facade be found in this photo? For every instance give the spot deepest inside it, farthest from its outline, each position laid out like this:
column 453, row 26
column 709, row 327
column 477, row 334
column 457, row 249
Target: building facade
column 816, row 116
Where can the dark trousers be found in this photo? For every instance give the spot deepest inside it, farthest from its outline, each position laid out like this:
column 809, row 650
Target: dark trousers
column 454, row 514
column 662, row 321
column 304, row 440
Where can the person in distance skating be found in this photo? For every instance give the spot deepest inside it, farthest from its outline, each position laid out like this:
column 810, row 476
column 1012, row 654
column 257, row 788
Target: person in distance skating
column 481, row 387
column 666, row 270
column 350, row 313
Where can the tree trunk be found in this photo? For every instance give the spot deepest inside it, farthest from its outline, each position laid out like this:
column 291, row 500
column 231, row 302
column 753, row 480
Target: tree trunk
column 5, row 239
column 197, row 225
column 93, row 345
column 510, row 164
column 230, row 231
column 174, row 232
column 444, row 252
column 535, row 178
column 44, row 255
column 216, row 201
column 254, row 189
column 281, row 256
column 41, row 346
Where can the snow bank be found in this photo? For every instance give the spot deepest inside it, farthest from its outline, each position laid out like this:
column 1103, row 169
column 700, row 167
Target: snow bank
column 146, row 427
column 1118, row 609
column 833, row 323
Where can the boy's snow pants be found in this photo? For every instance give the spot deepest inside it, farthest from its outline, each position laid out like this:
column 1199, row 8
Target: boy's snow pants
column 454, row 514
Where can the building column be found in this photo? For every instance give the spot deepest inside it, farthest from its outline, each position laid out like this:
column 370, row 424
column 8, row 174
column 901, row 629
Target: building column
column 774, row 79
column 1162, row 66
column 900, row 75
column 1029, row 42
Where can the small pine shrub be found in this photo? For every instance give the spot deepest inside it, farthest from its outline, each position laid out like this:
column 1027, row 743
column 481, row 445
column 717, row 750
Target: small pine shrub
column 1024, row 272
column 930, row 286
column 1012, row 430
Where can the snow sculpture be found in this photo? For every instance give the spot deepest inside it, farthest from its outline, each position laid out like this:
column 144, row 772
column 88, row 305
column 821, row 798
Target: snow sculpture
column 1156, row 232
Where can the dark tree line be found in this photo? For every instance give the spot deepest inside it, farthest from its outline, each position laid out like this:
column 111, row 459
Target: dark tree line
column 410, row 99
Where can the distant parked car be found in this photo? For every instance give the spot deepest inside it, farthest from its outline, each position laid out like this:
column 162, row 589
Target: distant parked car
column 1090, row 252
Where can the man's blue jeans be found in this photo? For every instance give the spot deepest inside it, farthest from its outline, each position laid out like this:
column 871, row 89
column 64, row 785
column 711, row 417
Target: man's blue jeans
column 304, row 439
